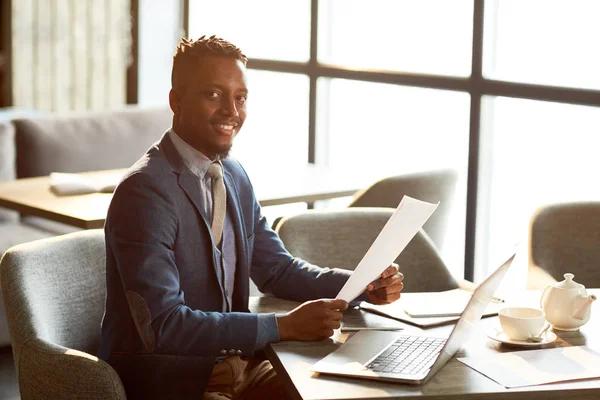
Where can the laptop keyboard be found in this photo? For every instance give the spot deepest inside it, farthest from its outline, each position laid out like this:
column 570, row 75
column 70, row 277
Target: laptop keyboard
column 409, row 355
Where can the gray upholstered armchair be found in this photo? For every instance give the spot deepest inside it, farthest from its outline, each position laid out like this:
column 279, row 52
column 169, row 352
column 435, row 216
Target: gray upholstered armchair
column 432, row 186
column 54, row 291
column 565, row 237
column 339, row 239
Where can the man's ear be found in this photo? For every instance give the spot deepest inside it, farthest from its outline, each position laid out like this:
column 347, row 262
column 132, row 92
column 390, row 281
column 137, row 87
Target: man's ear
column 174, row 101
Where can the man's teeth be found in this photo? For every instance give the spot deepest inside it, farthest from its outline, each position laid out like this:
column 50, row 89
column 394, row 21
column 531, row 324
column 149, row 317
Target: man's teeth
column 226, row 127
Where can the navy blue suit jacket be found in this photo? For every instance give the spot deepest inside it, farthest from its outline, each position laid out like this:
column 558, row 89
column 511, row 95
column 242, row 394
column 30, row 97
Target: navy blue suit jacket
column 164, row 325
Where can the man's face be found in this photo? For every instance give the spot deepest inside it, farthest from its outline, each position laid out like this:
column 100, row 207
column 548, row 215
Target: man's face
column 212, row 108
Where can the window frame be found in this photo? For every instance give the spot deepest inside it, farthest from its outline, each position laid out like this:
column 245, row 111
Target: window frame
column 476, row 86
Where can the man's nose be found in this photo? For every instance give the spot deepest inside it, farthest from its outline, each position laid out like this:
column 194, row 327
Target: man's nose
column 229, row 108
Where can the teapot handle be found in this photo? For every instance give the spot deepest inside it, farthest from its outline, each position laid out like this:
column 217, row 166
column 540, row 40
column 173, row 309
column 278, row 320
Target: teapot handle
column 543, row 297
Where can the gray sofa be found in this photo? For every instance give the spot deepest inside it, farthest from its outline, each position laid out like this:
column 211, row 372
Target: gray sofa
column 42, row 143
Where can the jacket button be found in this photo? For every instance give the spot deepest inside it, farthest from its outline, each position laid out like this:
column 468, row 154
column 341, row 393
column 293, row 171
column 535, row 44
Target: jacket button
column 232, row 351
column 223, row 352
column 238, row 352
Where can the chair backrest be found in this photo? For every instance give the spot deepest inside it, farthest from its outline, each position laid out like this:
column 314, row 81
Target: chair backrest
column 340, row 239
column 565, row 237
column 431, row 186
column 54, row 291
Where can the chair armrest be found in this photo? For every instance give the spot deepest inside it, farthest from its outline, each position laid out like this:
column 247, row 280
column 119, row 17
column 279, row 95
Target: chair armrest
column 46, row 370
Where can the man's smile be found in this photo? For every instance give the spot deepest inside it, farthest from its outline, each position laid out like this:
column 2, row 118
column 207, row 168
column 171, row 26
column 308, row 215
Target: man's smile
column 226, row 128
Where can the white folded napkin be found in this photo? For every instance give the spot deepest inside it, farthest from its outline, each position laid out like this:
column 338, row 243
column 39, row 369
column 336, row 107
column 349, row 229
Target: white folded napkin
column 64, row 184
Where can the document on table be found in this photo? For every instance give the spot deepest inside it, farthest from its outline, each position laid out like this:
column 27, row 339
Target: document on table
column 537, row 367
column 449, row 303
column 403, row 225
column 430, row 309
column 355, row 319
column 396, row 311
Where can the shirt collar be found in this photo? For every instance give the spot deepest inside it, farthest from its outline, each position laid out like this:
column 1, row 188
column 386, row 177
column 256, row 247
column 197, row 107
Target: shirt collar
column 197, row 162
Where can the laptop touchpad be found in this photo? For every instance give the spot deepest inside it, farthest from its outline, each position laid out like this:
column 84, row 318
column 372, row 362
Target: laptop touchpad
column 357, row 351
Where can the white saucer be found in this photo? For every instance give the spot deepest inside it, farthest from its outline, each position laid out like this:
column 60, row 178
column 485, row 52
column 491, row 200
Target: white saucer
column 501, row 337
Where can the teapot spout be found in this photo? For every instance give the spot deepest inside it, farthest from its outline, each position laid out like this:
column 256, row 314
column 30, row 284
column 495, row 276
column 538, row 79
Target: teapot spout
column 582, row 306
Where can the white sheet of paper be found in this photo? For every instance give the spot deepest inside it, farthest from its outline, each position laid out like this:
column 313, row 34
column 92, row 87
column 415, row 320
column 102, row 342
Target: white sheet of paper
column 403, row 225
column 537, row 367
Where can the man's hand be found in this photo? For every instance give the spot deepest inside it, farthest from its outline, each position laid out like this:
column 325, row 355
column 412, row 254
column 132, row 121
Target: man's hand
column 313, row 320
column 387, row 288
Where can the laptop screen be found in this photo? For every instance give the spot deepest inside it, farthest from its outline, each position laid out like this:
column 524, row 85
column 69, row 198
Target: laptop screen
column 471, row 314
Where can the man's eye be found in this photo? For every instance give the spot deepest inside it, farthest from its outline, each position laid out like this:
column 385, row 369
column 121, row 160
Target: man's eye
column 212, row 95
column 242, row 99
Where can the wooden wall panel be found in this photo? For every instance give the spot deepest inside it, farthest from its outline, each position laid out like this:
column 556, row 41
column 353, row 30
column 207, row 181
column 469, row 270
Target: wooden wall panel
column 22, row 53
column 97, row 54
column 62, row 55
column 70, row 54
column 5, row 53
column 80, row 55
column 43, row 39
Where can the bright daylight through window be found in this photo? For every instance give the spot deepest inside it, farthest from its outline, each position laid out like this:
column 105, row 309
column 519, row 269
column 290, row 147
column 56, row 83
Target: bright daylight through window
column 416, row 85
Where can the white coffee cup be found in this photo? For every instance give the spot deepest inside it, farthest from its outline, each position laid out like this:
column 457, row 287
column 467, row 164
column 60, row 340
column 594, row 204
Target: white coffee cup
column 521, row 323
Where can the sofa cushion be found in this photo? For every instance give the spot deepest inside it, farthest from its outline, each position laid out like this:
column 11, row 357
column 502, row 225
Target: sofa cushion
column 87, row 141
column 7, row 151
column 7, row 163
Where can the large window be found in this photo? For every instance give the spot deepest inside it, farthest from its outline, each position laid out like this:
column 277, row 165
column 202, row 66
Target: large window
column 385, row 129
column 159, row 32
column 548, row 42
column 506, row 93
column 309, row 113
column 277, row 120
column 267, row 29
column 535, row 152
column 394, row 128
column 397, row 35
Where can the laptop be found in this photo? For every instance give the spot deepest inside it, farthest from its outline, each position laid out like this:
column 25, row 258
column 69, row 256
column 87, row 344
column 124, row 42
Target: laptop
column 397, row 357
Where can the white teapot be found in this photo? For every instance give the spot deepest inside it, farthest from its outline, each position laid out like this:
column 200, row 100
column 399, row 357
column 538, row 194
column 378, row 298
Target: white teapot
column 566, row 304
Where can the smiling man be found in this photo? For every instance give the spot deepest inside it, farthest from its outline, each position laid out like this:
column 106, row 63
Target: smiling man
column 209, row 98
column 185, row 233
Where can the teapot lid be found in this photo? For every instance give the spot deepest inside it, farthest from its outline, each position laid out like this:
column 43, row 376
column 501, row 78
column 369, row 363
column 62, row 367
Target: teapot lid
column 568, row 283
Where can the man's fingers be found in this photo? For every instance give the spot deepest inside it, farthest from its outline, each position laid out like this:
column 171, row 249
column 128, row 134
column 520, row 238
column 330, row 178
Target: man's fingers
column 335, row 304
column 391, row 270
column 382, row 282
column 386, row 290
column 333, row 324
column 327, row 333
column 384, row 299
column 334, row 315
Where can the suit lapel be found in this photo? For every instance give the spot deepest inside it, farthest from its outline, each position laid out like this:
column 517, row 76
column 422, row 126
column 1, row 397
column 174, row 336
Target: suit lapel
column 186, row 180
column 191, row 187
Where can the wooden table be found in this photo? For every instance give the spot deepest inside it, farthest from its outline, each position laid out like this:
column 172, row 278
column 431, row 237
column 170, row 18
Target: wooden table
column 32, row 196
column 455, row 380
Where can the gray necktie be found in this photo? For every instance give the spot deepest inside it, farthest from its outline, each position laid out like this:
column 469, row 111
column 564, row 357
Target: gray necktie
column 219, row 200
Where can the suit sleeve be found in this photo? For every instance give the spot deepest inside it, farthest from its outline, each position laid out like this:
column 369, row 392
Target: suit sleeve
column 141, row 231
column 277, row 272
